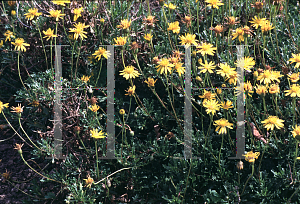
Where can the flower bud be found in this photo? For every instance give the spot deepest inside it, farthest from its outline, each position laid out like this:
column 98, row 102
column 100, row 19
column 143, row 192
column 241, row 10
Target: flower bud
column 131, row 133
column 198, row 78
column 122, row 112
column 161, row 2
column 194, row 53
column 240, row 165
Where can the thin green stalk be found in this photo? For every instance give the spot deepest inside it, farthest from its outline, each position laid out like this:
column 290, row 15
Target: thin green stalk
column 28, row 136
column 36, row 171
column 263, row 153
column 220, row 151
column 51, row 61
column 198, row 17
column 264, row 45
column 248, row 178
column 265, row 107
column 43, row 46
column 78, row 56
column 187, row 181
column 122, row 54
column 82, row 143
column 97, row 168
column 99, row 72
column 211, row 22
column 14, row 129
column 294, row 110
column 172, row 103
column 72, row 57
column 295, row 159
column 20, row 73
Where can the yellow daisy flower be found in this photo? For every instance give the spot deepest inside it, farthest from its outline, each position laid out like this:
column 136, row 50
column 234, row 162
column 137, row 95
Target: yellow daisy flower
column 2, row 106
column 207, row 95
column 18, row 109
column 124, row 24
column 222, row 124
column 239, row 32
column 214, row 3
column 296, row 132
column 62, row 3
column 32, row 13
column 246, row 62
column 207, row 67
column 226, row 105
column 265, row 77
column 174, row 27
column 78, row 30
column 77, row 13
column 179, row 69
column 188, row 40
column 232, row 78
column 165, row 66
column 170, row 6
column 120, row 40
column 85, row 79
column 211, row 106
column 129, row 72
column 97, row 135
column 148, row 36
column 101, row 52
column 256, row 22
column 8, row 34
column 273, row 121
column 49, row 34
column 94, row 108
column 295, row 59
column 20, row 45
column 56, row 14
column 250, row 156
column 266, row 26
column 206, row 48
column 260, row 89
column 226, row 70
column 294, row 91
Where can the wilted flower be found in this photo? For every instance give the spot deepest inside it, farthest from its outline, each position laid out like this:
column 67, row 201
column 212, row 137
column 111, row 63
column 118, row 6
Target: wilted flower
column 150, row 82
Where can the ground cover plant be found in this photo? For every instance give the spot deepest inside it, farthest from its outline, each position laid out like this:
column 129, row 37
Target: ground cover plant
column 154, row 44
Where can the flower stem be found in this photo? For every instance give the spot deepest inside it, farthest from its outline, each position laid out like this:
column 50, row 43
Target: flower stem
column 28, row 136
column 96, row 149
column 248, row 178
column 220, row 151
column 72, row 57
column 78, row 56
column 99, row 72
column 295, row 159
column 20, row 73
column 36, row 171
